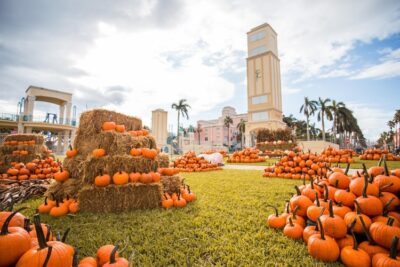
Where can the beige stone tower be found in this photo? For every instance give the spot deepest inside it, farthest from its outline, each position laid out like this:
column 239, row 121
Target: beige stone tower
column 159, row 126
column 264, row 96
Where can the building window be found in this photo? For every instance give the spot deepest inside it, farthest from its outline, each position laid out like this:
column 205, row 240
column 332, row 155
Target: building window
column 258, row 50
column 259, row 99
column 258, row 36
column 260, row 116
column 206, row 139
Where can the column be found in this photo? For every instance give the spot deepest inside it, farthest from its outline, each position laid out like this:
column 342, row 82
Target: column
column 61, row 114
column 65, row 140
column 30, row 104
column 59, row 142
column 68, row 113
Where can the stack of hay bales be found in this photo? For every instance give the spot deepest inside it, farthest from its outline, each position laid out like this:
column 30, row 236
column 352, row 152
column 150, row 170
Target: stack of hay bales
column 83, row 167
column 22, row 148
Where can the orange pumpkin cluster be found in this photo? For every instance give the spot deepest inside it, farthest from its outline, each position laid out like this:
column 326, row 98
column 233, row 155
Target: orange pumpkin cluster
column 120, row 128
column 36, row 169
column 376, row 154
column 247, row 155
column 57, row 208
column 333, row 155
column 180, row 199
column 15, row 143
column 297, row 166
column 341, row 206
column 106, row 256
column 121, row 178
column 191, row 163
column 274, row 153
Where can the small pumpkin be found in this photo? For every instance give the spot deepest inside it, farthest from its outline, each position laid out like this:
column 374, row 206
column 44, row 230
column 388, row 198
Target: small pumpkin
column 167, row 202
column 61, row 176
column 98, row 152
column 353, row 256
column 134, row 177
column 136, row 152
column 71, row 152
column 323, row 247
column 391, row 259
column 120, row 178
column 275, row 220
column 293, row 230
column 120, row 128
column 116, row 262
column 334, row 225
column 59, row 210
column 108, row 126
column 103, row 254
column 383, row 234
column 102, row 180
column 45, row 207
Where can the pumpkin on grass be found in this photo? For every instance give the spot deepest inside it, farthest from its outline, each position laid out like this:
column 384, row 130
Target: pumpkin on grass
column 302, row 202
column 370, row 246
column 275, row 220
column 59, row 210
column 88, row 262
column 293, row 230
column 352, row 256
column 53, row 253
column 334, row 225
column 17, row 220
column 369, row 205
column 391, row 259
column 180, row 202
column 323, row 247
column 314, row 211
column 188, row 195
column 295, row 218
column 167, row 201
column 14, row 242
column 45, row 207
column 104, row 253
column 116, row 262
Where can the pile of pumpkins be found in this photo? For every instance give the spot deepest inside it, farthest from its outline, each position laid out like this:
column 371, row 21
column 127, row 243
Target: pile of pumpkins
column 57, row 208
column 247, row 155
column 333, row 155
column 36, row 169
column 189, row 162
column 23, row 244
column 327, row 214
column 179, row 199
column 376, row 154
column 275, row 153
column 16, row 143
column 297, row 166
column 122, row 178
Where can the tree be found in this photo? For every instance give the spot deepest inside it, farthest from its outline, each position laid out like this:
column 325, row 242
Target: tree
column 241, row 126
column 308, row 109
column 227, row 122
column 324, row 110
column 335, row 108
column 182, row 108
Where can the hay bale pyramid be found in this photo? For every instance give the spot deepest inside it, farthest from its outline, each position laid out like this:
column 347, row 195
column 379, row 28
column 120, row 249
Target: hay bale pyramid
column 84, row 167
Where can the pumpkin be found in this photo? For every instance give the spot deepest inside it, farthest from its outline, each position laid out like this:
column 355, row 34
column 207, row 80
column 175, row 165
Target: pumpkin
column 314, row 211
column 167, row 202
column 293, row 230
column 103, row 254
column 116, row 262
column 341, row 210
column 391, row 182
column 59, row 210
column 71, row 152
column 98, row 152
column 334, row 225
column 108, row 126
column 45, row 207
column 357, row 185
column 345, row 197
column 61, row 176
column 274, row 220
column 310, row 192
column 323, row 247
column 53, row 253
column 102, row 180
column 14, row 242
column 309, row 231
column 120, row 128
column 155, row 176
column 370, row 246
column 355, row 216
column 149, row 153
column 188, row 195
column 146, row 178
column 300, row 201
column 296, row 219
column 369, row 205
column 384, row 216
column 339, row 180
column 120, row 178
column 136, row 152
column 73, row 207
column 384, row 197
column 88, row 261
column 179, row 202
column 353, row 256
column 17, row 220
column 391, row 259
column 383, row 234
column 134, row 177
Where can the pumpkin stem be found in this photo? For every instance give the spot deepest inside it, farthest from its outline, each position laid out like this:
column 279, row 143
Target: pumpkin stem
column 393, row 248
column 390, row 221
column 331, row 214
column 321, row 229
column 70, row 147
column 297, row 190
column 304, row 178
column 276, row 210
column 365, row 187
column 384, row 187
column 39, row 232
column 317, row 199
column 296, row 209
column 4, row 229
column 358, row 208
column 27, row 224
column 45, row 201
column 386, row 207
column 366, row 175
column 347, row 169
column 112, row 255
column 291, row 222
column 46, row 261
column 64, row 237
column 287, row 207
column 355, row 244
column 364, row 226
column 48, row 226
column 380, row 161
column 358, row 174
column 326, row 192
column 385, row 166
column 312, row 183
column 75, row 260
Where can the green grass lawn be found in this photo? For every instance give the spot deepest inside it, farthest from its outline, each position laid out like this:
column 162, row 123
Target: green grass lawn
column 225, row 226
column 369, row 163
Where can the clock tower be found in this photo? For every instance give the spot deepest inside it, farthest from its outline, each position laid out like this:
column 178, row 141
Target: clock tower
column 264, row 96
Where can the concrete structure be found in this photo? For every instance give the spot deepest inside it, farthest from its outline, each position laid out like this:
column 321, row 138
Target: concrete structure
column 264, row 96
column 316, row 146
column 62, row 124
column 159, row 119
column 214, row 134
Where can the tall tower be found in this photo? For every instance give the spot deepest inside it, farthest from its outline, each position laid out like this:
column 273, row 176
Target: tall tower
column 264, row 96
column 159, row 126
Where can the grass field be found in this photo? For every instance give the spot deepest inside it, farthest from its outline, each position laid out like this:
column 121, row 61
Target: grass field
column 369, row 163
column 224, row 227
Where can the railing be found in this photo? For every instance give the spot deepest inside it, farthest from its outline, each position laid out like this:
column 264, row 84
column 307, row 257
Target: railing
column 8, row 117
column 27, row 118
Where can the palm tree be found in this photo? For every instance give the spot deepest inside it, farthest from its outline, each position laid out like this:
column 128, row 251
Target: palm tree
column 324, row 110
column 334, row 108
column 227, row 122
column 241, row 126
column 182, row 108
column 308, row 109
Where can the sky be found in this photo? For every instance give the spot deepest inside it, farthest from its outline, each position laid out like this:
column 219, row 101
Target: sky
column 136, row 56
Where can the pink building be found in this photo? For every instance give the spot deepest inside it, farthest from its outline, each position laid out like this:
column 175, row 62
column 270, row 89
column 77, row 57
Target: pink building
column 215, row 134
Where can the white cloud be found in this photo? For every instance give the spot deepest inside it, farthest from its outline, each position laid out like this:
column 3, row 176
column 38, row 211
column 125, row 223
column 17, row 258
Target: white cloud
column 290, row 91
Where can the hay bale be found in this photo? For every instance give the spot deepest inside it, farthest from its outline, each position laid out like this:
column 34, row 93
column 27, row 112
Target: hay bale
column 90, row 122
column 163, row 160
column 39, row 139
column 113, row 143
column 112, row 164
column 20, row 158
column 60, row 191
column 171, row 184
column 73, row 166
column 114, row 198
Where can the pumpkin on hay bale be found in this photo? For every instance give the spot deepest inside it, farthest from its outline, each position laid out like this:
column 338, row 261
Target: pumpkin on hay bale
column 120, row 198
column 38, row 138
column 171, row 184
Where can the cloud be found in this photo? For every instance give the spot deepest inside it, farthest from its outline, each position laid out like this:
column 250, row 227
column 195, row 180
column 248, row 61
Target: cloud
column 290, row 91
column 388, row 68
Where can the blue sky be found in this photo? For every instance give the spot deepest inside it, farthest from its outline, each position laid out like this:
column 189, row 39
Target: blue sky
column 139, row 55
